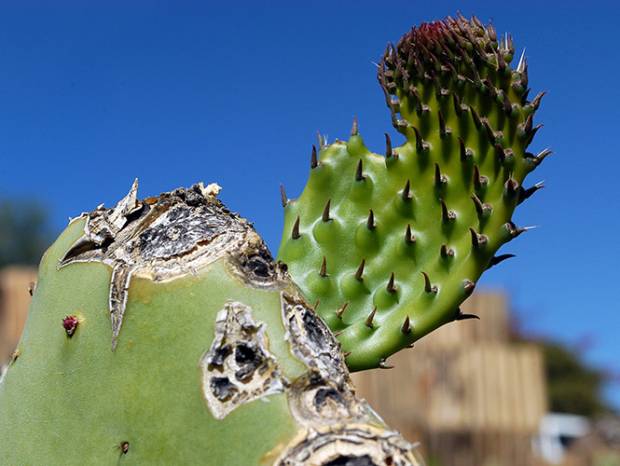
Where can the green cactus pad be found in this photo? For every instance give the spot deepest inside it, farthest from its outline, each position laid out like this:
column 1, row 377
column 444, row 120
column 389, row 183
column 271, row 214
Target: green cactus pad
column 161, row 333
column 390, row 245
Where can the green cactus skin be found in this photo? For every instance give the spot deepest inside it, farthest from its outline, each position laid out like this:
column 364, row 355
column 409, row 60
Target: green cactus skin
column 161, row 332
column 391, row 245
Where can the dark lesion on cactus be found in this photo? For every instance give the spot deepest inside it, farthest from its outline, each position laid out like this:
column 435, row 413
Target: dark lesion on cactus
column 219, row 355
column 254, row 265
column 124, row 447
column 315, row 401
column 349, row 460
column 350, row 445
column 238, row 367
column 167, row 237
column 327, row 396
column 249, row 358
column 222, row 388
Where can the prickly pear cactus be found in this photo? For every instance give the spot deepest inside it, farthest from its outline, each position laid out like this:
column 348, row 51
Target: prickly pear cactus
column 161, row 332
column 390, row 245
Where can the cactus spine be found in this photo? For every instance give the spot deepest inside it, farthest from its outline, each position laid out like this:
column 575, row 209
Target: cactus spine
column 390, row 245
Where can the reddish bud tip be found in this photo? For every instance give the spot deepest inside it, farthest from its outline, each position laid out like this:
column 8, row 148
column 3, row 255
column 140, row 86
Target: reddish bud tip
column 70, row 324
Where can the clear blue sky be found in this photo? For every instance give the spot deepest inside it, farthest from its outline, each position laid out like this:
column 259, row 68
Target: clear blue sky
column 177, row 92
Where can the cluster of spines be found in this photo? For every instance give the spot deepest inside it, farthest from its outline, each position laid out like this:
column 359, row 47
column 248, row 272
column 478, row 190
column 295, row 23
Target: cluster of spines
column 462, row 61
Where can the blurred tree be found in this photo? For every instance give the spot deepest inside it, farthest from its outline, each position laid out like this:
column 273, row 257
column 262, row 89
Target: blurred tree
column 574, row 387
column 24, row 231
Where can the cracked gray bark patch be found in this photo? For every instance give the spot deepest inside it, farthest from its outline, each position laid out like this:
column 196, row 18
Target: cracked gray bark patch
column 166, row 237
column 238, row 368
column 312, row 341
column 350, row 445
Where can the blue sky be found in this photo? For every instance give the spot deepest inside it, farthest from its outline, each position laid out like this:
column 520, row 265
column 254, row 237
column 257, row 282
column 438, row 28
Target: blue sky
column 92, row 96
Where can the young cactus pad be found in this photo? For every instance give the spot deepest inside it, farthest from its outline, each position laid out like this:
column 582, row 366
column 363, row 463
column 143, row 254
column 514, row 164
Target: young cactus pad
column 161, row 332
column 390, row 245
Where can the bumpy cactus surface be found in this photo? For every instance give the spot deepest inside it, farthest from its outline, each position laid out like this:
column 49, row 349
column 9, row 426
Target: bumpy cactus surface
column 390, row 245
column 161, row 332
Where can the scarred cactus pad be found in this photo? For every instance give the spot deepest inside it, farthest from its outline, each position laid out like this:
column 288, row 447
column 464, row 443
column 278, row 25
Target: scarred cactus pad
column 186, row 345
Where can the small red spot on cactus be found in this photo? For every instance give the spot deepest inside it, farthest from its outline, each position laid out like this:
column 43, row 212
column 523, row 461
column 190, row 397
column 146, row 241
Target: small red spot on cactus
column 70, row 324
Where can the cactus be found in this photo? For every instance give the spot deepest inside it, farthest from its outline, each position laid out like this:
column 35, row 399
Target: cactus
column 161, row 332
column 388, row 246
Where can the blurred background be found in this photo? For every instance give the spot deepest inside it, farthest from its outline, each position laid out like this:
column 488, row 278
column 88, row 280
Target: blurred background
column 93, row 95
